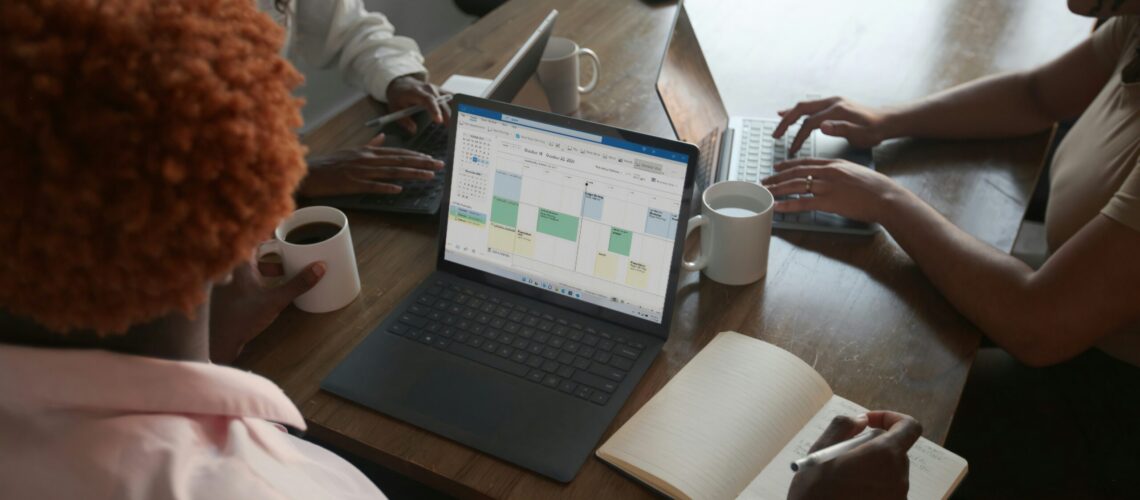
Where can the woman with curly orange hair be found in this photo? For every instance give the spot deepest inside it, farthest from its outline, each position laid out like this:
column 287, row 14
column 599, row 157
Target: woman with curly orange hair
column 147, row 146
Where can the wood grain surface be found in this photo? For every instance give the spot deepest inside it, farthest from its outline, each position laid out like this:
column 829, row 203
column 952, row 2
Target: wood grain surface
column 856, row 308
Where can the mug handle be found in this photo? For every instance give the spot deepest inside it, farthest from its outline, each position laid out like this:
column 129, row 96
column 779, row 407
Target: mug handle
column 597, row 69
column 267, row 247
column 702, row 259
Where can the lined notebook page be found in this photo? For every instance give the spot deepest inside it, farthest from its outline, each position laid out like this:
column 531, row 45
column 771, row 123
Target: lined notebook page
column 934, row 471
column 720, row 420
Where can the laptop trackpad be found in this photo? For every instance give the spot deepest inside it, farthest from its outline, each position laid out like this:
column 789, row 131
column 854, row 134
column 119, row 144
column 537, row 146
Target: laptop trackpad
column 447, row 394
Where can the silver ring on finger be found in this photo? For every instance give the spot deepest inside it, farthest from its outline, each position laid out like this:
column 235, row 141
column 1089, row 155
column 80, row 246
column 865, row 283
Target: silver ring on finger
column 807, row 189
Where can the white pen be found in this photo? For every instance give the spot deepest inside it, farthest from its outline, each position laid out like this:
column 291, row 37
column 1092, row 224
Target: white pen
column 403, row 113
column 836, row 449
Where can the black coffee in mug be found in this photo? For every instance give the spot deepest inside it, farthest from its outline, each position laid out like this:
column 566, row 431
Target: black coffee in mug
column 312, row 233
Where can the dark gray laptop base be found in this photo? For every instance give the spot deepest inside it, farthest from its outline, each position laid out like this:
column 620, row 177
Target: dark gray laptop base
column 527, row 424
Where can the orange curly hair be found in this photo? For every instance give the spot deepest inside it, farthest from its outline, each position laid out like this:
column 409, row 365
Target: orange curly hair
column 146, row 146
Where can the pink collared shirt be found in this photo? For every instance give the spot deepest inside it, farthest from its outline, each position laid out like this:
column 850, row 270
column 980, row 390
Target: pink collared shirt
column 96, row 424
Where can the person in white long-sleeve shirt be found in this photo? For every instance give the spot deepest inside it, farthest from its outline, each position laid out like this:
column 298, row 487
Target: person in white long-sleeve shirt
column 364, row 46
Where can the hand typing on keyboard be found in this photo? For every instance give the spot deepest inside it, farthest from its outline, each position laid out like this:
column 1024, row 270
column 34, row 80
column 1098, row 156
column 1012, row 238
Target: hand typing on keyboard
column 835, row 116
column 836, row 186
column 368, row 169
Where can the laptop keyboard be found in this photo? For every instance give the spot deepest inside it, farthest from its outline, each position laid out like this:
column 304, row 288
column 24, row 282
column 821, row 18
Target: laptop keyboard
column 557, row 353
column 759, row 152
column 706, row 169
column 433, row 141
column 418, row 196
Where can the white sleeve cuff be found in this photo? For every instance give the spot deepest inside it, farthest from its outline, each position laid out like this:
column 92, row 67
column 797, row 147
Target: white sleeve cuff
column 383, row 74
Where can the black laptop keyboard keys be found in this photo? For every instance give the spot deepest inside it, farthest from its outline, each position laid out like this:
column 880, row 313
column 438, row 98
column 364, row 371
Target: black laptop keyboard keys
column 553, row 352
column 432, row 142
column 417, row 196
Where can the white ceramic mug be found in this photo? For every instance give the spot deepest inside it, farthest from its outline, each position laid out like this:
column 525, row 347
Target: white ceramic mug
column 559, row 74
column 737, row 220
column 341, row 282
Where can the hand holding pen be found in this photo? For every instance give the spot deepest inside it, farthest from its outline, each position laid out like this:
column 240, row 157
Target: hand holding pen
column 875, row 466
column 816, row 458
column 383, row 121
column 409, row 92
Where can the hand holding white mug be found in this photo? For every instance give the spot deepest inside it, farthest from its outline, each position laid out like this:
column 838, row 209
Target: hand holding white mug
column 558, row 71
column 315, row 234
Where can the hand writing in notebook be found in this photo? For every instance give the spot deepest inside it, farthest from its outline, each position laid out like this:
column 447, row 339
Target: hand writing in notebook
column 876, row 469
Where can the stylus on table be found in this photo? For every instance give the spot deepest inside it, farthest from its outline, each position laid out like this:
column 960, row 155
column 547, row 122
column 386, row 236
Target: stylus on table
column 836, row 449
column 403, row 113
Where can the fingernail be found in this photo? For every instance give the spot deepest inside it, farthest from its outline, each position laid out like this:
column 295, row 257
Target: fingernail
column 319, row 269
column 861, row 419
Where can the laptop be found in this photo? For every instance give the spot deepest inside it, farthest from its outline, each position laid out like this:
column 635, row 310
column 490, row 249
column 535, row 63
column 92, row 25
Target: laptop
column 425, row 197
column 739, row 147
column 556, row 275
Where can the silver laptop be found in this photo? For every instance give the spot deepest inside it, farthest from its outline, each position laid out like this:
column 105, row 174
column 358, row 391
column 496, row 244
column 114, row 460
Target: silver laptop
column 739, row 147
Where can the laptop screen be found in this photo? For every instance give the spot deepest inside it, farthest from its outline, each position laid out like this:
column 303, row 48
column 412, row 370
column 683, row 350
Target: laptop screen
column 690, row 97
column 522, row 65
column 589, row 217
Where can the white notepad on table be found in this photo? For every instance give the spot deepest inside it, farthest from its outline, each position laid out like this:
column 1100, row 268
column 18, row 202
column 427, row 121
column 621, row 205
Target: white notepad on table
column 730, row 423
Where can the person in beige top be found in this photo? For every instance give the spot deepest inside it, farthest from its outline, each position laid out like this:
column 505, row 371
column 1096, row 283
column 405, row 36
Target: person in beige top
column 1026, row 430
column 1078, row 298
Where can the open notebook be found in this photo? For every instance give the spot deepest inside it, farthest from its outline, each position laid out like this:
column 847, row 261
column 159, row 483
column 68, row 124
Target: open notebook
column 732, row 421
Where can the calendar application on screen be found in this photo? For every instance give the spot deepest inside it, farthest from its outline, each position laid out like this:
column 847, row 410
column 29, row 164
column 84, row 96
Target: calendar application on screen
column 590, row 217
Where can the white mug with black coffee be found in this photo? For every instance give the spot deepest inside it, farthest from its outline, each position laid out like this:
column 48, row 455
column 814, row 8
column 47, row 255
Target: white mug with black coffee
column 314, row 234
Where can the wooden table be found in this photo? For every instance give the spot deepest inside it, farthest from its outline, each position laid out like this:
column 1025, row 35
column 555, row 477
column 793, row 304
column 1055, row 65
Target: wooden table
column 857, row 309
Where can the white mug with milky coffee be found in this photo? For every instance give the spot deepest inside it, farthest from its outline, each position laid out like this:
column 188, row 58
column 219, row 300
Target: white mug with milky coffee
column 736, row 217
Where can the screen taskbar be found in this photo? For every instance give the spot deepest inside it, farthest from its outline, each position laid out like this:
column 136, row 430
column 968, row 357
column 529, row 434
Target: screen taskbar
column 613, row 303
